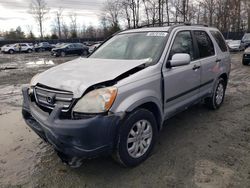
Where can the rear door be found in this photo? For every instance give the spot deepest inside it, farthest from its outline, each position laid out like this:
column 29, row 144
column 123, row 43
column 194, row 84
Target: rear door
column 24, row 47
column 208, row 61
column 181, row 84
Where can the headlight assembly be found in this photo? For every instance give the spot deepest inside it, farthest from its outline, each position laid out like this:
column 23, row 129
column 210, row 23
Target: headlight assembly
column 96, row 101
column 33, row 79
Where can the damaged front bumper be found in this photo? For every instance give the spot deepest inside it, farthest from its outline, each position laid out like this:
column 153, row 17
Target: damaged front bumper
column 83, row 138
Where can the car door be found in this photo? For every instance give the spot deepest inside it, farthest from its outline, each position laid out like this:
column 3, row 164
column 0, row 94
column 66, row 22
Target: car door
column 24, row 47
column 70, row 49
column 181, row 84
column 77, row 49
column 208, row 60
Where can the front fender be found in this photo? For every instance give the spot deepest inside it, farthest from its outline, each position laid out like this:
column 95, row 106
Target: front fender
column 129, row 103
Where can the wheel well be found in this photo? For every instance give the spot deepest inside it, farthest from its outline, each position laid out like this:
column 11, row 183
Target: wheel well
column 225, row 77
column 152, row 107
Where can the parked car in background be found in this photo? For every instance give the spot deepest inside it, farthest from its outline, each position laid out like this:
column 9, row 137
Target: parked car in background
column 116, row 100
column 72, row 48
column 236, row 45
column 18, row 47
column 59, row 44
column 246, row 40
column 246, row 57
column 43, row 46
column 87, row 44
column 4, row 47
column 93, row 47
column 228, row 40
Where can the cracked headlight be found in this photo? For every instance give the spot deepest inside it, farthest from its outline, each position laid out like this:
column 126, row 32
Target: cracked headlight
column 96, row 101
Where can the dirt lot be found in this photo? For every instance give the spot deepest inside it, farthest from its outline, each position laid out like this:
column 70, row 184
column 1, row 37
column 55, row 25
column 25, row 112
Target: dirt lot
column 197, row 148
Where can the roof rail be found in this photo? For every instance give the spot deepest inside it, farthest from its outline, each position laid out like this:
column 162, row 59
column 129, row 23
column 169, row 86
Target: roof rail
column 163, row 24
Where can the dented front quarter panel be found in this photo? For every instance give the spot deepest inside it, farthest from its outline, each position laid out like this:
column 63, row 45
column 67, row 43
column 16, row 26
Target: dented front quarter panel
column 139, row 88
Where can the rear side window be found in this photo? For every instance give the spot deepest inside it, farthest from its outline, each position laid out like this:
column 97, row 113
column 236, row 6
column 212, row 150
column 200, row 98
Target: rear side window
column 220, row 41
column 205, row 44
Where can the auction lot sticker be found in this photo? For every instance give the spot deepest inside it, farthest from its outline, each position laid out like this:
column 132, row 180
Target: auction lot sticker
column 157, row 34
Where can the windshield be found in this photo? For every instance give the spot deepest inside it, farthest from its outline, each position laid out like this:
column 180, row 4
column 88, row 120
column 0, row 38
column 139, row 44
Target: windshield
column 133, row 46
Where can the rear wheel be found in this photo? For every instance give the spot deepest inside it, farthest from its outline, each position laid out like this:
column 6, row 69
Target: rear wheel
column 136, row 138
column 215, row 101
column 85, row 53
column 245, row 63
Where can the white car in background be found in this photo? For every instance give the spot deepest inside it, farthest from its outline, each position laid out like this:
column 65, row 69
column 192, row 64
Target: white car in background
column 18, row 47
column 236, row 45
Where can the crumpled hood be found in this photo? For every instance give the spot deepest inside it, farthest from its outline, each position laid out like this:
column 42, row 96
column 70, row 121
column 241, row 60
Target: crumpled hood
column 81, row 73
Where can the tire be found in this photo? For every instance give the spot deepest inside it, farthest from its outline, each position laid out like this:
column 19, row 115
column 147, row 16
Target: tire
column 40, row 50
column 29, row 50
column 11, row 51
column 244, row 63
column 85, row 53
column 124, row 152
column 215, row 101
column 62, row 54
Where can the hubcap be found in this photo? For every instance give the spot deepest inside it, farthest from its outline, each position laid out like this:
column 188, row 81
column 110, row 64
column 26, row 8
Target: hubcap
column 219, row 94
column 139, row 138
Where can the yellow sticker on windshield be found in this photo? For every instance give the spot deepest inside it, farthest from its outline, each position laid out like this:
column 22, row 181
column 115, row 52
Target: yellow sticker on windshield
column 157, row 34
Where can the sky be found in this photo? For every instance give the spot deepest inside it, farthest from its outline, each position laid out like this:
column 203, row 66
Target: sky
column 14, row 13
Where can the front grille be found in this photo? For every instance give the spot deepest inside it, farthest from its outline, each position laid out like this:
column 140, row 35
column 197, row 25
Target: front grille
column 48, row 98
column 247, row 55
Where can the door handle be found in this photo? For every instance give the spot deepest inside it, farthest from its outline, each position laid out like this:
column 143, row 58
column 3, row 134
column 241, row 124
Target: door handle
column 218, row 60
column 195, row 67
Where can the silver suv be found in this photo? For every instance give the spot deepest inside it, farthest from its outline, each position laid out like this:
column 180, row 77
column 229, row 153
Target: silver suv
column 116, row 100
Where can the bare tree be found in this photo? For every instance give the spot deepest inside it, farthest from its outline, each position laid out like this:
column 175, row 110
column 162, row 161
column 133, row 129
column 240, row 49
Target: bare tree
column 248, row 15
column 65, row 30
column 145, row 3
column 39, row 10
column 112, row 11
column 58, row 20
column 125, row 4
column 73, row 25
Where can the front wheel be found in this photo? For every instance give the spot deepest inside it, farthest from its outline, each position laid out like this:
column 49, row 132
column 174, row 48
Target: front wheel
column 136, row 138
column 215, row 101
column 63, row 54
column 11, row 51
column 85, row 53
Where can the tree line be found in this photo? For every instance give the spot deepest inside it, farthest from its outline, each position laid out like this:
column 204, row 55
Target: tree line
column 226, row 15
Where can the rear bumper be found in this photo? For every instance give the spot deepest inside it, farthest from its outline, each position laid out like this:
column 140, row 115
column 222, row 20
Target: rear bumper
column 84, row 138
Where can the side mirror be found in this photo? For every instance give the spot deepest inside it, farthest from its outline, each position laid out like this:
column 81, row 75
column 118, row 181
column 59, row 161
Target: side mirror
column 180, row 59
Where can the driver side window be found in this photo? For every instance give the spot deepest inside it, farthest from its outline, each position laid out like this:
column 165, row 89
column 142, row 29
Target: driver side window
column 183, row 43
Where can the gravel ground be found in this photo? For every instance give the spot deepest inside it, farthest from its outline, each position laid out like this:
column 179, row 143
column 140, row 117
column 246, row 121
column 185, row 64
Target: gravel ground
column 197, row 148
